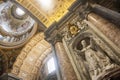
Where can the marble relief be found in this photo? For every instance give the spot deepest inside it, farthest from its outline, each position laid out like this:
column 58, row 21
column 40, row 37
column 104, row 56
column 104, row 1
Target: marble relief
column 95, row 57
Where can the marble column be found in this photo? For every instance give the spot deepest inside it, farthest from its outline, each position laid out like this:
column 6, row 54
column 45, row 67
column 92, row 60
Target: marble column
column 66, row 67
column 111, row 15
column 108, row 29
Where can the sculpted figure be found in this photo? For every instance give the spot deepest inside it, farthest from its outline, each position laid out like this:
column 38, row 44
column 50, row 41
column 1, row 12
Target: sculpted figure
column 95, row 57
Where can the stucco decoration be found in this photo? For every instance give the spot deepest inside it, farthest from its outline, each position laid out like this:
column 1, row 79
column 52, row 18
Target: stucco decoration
column 29, row 62
column 16, row 26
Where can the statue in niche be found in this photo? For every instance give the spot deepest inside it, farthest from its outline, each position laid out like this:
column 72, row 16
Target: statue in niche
column 96, row 58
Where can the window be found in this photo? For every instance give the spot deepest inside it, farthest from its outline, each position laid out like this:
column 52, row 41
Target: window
column 46, row 5
column 19, row 12
column 51, row 65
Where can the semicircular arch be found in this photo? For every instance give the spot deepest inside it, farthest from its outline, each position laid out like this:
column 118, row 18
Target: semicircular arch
column 30, row 59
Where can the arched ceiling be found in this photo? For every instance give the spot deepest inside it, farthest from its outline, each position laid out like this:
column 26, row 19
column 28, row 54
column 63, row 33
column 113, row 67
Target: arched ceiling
column 29, row 61
column 16, row 27
column 49, row 11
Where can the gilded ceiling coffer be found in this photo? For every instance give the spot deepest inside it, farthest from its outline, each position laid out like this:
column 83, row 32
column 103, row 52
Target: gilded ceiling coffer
column 45, row 13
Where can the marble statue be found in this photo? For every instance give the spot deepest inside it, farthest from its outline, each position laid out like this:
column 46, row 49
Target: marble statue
column 95, row 57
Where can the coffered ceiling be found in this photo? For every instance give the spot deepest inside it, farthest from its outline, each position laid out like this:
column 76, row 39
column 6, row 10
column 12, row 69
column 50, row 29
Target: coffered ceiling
column 47, row 11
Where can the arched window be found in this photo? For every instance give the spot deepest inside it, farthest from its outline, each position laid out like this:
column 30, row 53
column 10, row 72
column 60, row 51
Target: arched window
column 19, row 11
column 51, row 65
column 48, row 69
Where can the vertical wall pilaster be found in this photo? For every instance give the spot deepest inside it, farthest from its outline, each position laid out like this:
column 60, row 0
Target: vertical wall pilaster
column 108, row 29
column 66, row 68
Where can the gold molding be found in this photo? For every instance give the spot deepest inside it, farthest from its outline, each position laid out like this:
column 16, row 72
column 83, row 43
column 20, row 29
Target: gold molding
column 47, row 19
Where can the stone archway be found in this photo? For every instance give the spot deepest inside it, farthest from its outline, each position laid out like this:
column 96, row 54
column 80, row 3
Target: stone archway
column 30, row 59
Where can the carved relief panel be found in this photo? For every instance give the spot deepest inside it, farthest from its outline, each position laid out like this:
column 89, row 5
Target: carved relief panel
column 92, row 55
column 72, row 28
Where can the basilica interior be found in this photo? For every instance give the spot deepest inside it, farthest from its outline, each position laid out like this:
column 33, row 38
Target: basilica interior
column 59, row 40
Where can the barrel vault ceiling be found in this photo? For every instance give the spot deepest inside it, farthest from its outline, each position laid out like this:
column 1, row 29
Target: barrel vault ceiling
column 47, row 12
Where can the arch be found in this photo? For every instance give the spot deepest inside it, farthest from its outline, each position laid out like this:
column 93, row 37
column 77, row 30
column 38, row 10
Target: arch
column 14, row 32
column 30, row 59
column 78, row 38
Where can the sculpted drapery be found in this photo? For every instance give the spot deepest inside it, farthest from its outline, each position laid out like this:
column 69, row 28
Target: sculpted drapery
column 95, row 57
